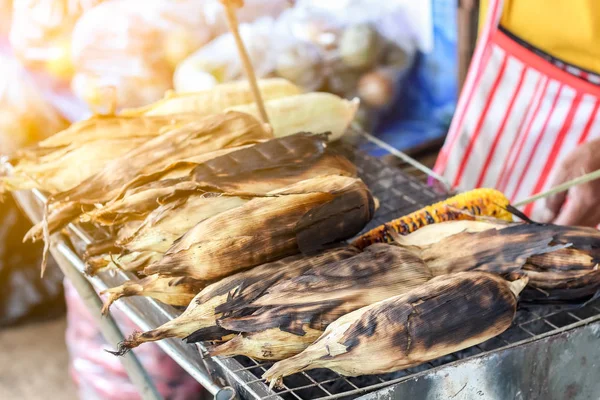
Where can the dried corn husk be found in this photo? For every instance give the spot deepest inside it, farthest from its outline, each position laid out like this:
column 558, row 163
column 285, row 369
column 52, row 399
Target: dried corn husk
column 172, row 291
column 254, row 170
column 100, row 127
column 131, row 262
column 246, row 285
column 55, row 173
column 216, row 99
column 303, row 217
column 320, row 296
column 440, row 317
column 203, row 136
column 310, row 112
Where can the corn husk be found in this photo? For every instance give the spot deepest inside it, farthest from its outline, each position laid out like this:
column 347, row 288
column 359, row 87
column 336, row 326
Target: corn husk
column 320, row 296
column 216, row 99
column 206, row 135
column 246, row 285
column 66, row 168
column 101, row 127
column 301, row 218
column 172, row 291
column 254, row 170
column 311, row 112
column 131, row 262
column 445, row 315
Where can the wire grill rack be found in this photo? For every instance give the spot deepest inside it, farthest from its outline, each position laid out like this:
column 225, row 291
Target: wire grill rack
column 400, row 190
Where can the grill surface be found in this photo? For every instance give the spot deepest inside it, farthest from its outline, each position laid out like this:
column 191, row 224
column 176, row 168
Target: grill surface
column 400, row 191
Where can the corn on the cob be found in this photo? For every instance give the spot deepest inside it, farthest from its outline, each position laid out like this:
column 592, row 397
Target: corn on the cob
column 172, row 291
column 131, row 262
column 217, row 99
column 303, row 217
column 206, row 135
column 254, row 170
column 242, row 287
column 310, row 112
column 440, row 317
column 487, row 202
column 318, row 297
column 98, row 128
column 55, row 173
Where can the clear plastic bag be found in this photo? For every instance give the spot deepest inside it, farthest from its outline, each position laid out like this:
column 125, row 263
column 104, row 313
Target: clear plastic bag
column 40, row 33
column 124, row 52
column 100, row 375
column 354, row 49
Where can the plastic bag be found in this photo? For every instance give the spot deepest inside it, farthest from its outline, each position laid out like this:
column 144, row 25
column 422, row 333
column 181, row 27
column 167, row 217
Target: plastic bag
column 41, row 32
column 100, row 375
column 125, row 52
column 23, row 293
column 351, row 51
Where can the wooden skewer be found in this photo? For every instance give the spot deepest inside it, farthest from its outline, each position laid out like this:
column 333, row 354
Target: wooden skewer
column 230, row 6
column 560, row 188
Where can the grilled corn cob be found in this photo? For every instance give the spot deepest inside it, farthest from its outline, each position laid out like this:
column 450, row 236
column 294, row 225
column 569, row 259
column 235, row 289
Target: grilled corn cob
column 172, row 291
column 312, row 112
column 243, row 287
column 206, row 135
column 131, row 262
column 216, row 99
column 488, row 202
column 300, row 218
column 318, row 297
column 254, row 170
column 440, row 317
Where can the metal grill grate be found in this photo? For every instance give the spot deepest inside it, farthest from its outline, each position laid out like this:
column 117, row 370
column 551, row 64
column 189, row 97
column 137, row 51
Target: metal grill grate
column 399, row 193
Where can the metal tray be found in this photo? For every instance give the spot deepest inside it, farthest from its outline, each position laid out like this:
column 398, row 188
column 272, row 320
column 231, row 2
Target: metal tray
column 533, row 359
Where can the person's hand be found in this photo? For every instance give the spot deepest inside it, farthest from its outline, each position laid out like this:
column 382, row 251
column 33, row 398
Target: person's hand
column 582, row 207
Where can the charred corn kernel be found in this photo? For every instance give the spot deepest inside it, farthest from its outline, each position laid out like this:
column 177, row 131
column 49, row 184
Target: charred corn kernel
column 411, row 328
column 310, row 112
column 217, row 99
column 172, row 291
column 477, row 202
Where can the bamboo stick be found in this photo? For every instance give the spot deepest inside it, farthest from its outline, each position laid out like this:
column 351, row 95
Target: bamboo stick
column 232, row 22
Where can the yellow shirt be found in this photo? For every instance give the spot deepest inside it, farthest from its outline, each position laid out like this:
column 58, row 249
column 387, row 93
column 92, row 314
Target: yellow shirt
column 566, row 29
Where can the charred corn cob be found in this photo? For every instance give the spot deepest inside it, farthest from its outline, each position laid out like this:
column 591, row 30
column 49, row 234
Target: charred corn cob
column 300, row 218
column 206, row 135
column 217, row 99
column 316, row 298
column 172, row 291
column 440, row 317
column 487, row 202
column 310, row 112
column 243, row 287
column 250, row 171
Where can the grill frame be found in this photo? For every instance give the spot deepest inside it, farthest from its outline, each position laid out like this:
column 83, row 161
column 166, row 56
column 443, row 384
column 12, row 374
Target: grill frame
column 400, row 190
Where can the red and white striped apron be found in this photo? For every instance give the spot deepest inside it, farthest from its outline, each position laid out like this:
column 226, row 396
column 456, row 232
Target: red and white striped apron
column 518, row 116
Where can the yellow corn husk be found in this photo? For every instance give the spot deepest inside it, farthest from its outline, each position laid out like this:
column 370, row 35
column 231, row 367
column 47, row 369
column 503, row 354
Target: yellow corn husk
column 171, row 291
column 203, row 136
column 321, row 295
column 445, row 315
column 101, row 127
column 302, row 217
column 132, row 262
column 431, row 234
column 216, row 99
column 478, row 202
column 271, row 344
column 311, row 112
column 244, row 286
column 66, row 170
